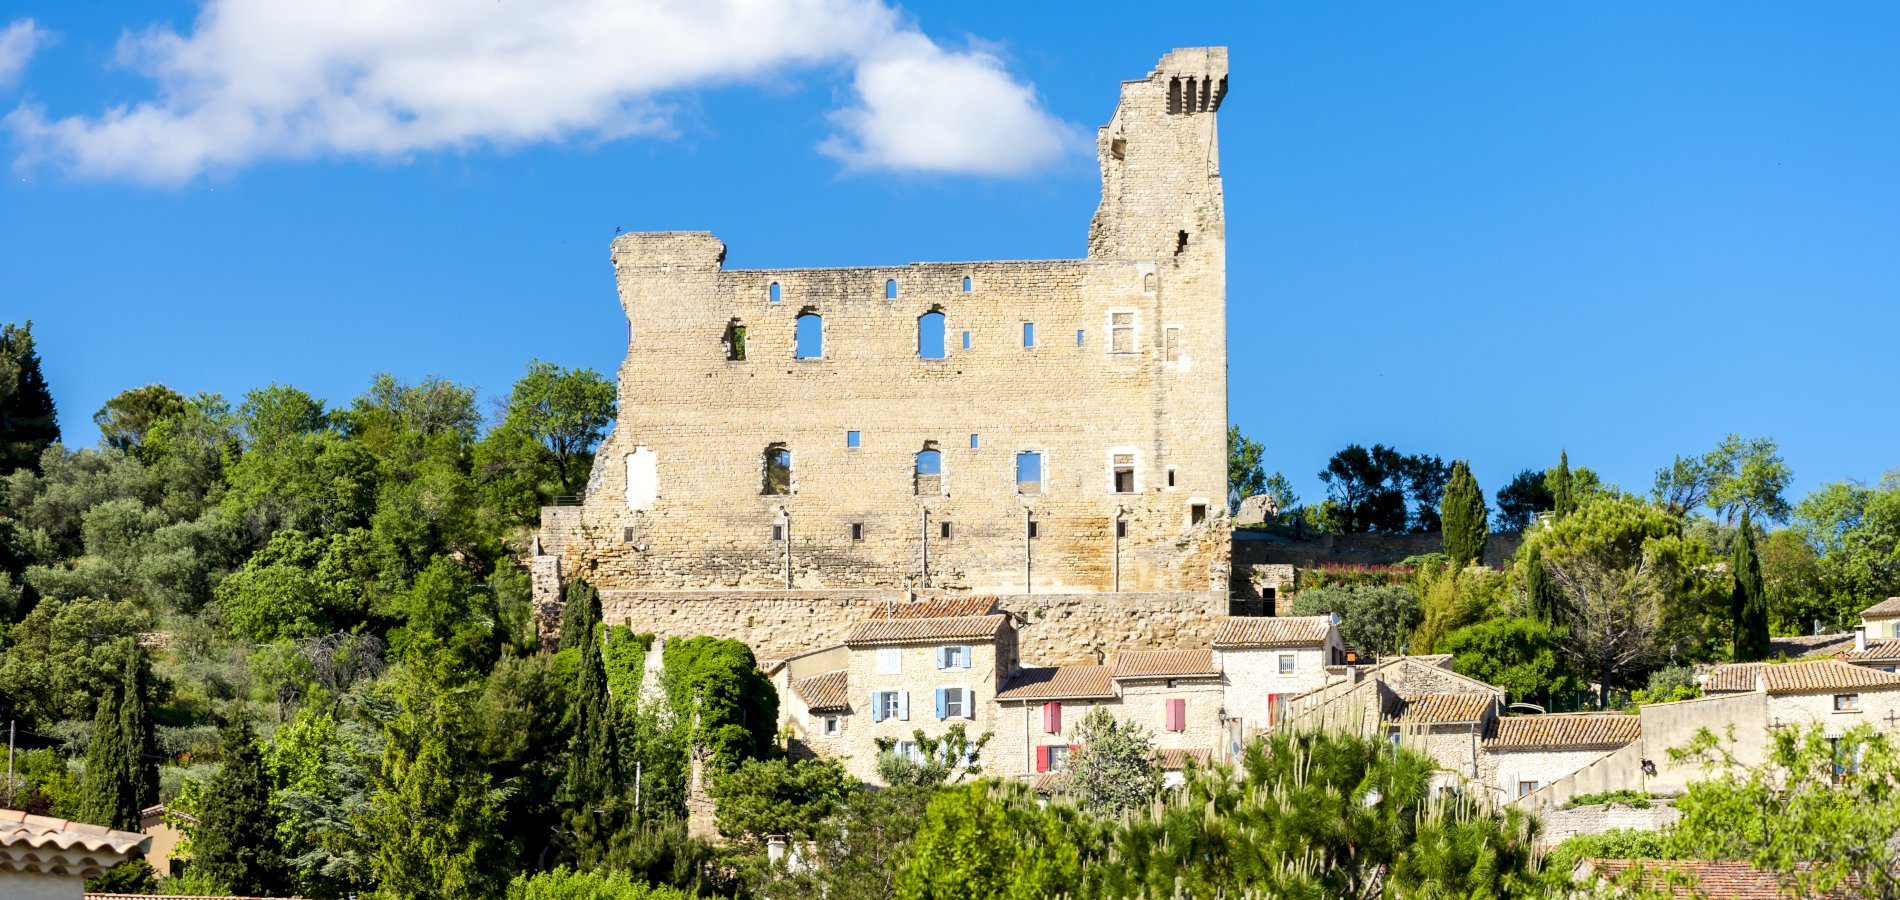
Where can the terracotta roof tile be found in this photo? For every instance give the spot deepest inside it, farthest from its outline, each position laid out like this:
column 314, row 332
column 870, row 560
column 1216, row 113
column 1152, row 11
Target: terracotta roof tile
column 1795, row 677
column 1442, row 709
column 1876, row 650
column 1178, row 759
column 1059, row 683
column 1884, row 609
column 1800, row 645
column 1165, row 663
column 1714, row 879
column 1565, row 731
column 1051, row 782
column 59, row 846
column 937, row 608
column 1272, row 631
column 956, row 628
column 825, row 691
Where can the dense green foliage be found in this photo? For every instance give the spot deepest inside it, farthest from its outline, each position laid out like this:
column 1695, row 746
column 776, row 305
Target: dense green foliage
column 28, row 421
column 234, row 845
column 1245, row 475
column 1748, row 606
column 1114, row 772
column 716, row 685
column 1519, row 654
column 1520, row 500
column 565, row 884
column 1463, row 517
column 1378, row 620
column 991, row 839
column 1369, row 489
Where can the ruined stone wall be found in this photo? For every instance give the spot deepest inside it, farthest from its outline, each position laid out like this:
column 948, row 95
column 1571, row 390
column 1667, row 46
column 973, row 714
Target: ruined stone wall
column 1129, row 360
column 1055, row 629
column 1563, row 823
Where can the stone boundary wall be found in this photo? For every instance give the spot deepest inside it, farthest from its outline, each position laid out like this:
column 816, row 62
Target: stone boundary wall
column 1054, row 629
column 1254, row 548
column 1597, row 819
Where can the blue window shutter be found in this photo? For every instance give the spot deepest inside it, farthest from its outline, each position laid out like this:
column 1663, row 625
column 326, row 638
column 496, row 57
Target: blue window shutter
column 903, row 706
column 942, row 655
column 963, row 655
column 942, row 711
column 877, row 706
column 969, row 703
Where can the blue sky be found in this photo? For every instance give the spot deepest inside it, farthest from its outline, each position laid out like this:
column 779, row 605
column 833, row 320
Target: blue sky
column 1477, row 230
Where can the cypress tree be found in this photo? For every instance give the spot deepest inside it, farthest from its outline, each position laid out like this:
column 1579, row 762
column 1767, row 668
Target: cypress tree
column 1538, row 588
column 1565, row 502
column 1749, row 604
column 110, row 787
column 580, row 612
column 141, row 741
column 593, row 766
column 1462, row 516
column 235, row 844
column 28, row 422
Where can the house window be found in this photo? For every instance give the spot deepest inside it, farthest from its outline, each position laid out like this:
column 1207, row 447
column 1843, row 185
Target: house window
column 1177, row 714
column 735, row 341
column 889, row 705
column 1029, row 334
column 1121, row 528
column 908, row 749
column 1052, row 718
column 954, row 703
column 1523, row 787
column 857, row 531
column 851, row 439
column 1286, row 663
column 930, row 335
column 1197, row 513
column 1847, row 703
column 810, row 336
column 778, row 532
column 778, row 471
column 943, row 530
column 1029, row 472
column 890, row 661
column 956, row 656
column 1171, row 344
column 1170, row 476
column 1053, row 758
column 831, row 726
column 1124, row 467
column 1121, row 332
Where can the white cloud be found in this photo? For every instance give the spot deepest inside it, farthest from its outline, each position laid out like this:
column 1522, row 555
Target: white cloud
column 266, row 79
column 17, row 43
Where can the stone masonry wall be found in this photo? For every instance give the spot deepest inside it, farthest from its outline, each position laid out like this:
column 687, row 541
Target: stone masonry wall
column 1128, row 362
column 1055, row 629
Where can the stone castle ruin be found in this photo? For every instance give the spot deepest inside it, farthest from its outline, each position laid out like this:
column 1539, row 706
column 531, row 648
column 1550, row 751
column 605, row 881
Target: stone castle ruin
column 796, row 447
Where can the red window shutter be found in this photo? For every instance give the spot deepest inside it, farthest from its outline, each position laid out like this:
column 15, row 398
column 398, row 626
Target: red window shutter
column 1177, row 715
column 1052, row 718
column 1042, row 759
column 1273, row 708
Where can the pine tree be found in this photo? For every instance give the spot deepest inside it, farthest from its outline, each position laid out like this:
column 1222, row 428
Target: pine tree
column 1462, row 516
column 1560, row 487
column 1748, row 605
column 580, row 612
column 235, row 843
column 432, row 823
column 1538, row 588
column 28, row 422
column 141, row 741
column 110, row 787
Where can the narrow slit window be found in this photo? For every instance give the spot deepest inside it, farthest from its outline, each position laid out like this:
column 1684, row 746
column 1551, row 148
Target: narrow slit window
column 930, row 335
column 943, row 530
column 1124, row 473
column 890, row 289
column 778, row 532
column 851, row 439
column 966, row 284
column 929, row 471
column 773, row 293
column 1032, row 529
column 811, row 336
column 778, row 471
column 1121, row 528
column 857, row 531
column 735, row 341
column 1170, row 476
column 1079, row 334
column 1029, row 472
column 973, row 441
column 1029, row 334
column 1180, row 243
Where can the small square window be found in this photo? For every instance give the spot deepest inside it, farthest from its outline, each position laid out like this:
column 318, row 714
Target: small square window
column 1121, row 529
column 1846, row 702
column 1286, row 663
column 857, row 531
column 943, row 529
column 1029, row 334
column 1523, row 787
column 890, row 661
column 973, row 442
column 1032, row 529
column 1058, row 757
column 851, row 439
column 831, row 726
column 778, row 532
column 966, row 340
column 1197, row 513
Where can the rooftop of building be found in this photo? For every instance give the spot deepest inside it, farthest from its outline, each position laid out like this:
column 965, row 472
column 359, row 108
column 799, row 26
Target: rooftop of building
column 1060, row 683
column 1702, row 879
column 1800, row 645
column 1449, row 708
column 823, row 692
column 923, row 630
column 936, row 608
column 1166, row 664
column 1272, row 631
column 1887, row 649
column 1564, row 731
column 1885, row 609
column 1796, row 677
column 30, row 843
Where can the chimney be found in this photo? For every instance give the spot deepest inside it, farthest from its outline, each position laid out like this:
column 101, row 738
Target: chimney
column 1860, row 639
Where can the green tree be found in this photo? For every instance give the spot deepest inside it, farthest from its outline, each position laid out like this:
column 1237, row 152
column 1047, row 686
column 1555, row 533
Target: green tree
column 1519, row 502
column 1854, row 533
column 1562, row 492
column 1749, row 604
column 1377, row 619
column 1450, row 598
column 522, row 738
column 778, row 796
column 1114, row 771
column 716, row 684
column 580, row 613
column 593, row 768
column 566, row 412
column 1463, row 515
column 234, row 844
column 566, row 884
column 991, row 839
column 110, row 786
column 948, row 759
column 271, row 416
column 1367, row 489
column 1540, row 595
column 1246, row 471
column 1738, row 476
column 127, row 418
column 859, row 850
column 135, row 722
column 28, row 422
column 66, row 653
column 433, row 819
column 1520, row 655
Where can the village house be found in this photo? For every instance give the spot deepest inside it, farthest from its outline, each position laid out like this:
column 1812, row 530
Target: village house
column 1882, row 620
column 43, row 858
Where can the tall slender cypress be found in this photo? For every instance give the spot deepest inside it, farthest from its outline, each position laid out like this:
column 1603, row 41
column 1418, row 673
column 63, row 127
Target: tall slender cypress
column 235, row 843
column 111, row 790
column 580, row 612
column 1564, row 500
column 141, row 740
column 593, row 766
column 1749, row 604
column 28, row 421
column 1462, row 514
column 1538, row 588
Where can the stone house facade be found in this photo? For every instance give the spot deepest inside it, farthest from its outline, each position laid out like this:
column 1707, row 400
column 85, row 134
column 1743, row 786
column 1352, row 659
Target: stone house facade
column 1882, row 620
column 794, row 440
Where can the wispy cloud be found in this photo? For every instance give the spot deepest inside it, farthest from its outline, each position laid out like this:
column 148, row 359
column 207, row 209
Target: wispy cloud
column 17, row 44
column 263, row 79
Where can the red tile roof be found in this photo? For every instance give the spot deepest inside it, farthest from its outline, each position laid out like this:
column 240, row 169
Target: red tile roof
column 1882, row 649
column 1884, row 609
column 1272, row 631
column 821, row 692
column 1564, row 731
column 58, row 846
column 1178, row 759
column 1165, row 663
column 937, row 608
column 1059, row 683
column 1713, row 879
column 1443, row 709
column 899, row 631
column 1795, row 677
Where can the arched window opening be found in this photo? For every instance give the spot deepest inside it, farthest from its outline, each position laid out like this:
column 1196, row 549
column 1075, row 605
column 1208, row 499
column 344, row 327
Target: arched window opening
column 735, row 341
column 778, row 471
column 930, row 335
column 1174, row 95
column 775, row 294
column 811, row 336
column 1029, row 472
column 1148, row 283
column 966, row 284
column 929, row 471
column 890, row 289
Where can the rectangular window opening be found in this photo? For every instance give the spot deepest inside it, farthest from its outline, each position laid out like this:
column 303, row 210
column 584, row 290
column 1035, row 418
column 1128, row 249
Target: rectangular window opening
column 1286, row 663
column 1029, row 472
column 890, row 661
column 1171, row 344
column 1124, row 473
column 966, row 340
column 973, row 442
column 1846, row 702
column 851, row 439
column 1121, row 337
column 943, row 529
column 1197, row 513
column 857, row 531
column 1029, row 334
column 1170, row 476
column 1079, row 334
column 1032, row 529
column 831, row 726
column 778, row 532
column 1121, row 528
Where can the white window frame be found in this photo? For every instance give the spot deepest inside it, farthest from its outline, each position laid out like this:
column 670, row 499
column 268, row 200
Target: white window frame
column 1058, row 763
column 1847, row 703
column 1134, row 331
column 830, row 726
column 890, row 705
column 1289, row 663
column 890, row 661
column 956, row 703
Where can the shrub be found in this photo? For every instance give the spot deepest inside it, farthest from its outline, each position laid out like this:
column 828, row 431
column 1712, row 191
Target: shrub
column 566, row 884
